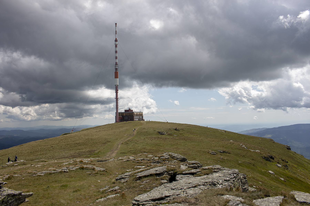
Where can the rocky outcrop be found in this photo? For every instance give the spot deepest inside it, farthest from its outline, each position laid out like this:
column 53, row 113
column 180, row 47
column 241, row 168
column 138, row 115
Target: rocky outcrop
column 301, row 197
column 269, row 201
column 176, row 156
column 158, row 171
column 125, row 177
column 67, row 169
column 10, row 197
column 194, row 164
column 192, row 186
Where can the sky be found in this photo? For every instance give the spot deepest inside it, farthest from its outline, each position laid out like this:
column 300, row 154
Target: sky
column 204, row 62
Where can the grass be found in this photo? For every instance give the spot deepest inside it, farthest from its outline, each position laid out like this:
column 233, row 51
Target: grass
column 82, row 187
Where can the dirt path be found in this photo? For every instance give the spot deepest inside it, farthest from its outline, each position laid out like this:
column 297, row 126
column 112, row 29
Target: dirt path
column 115, row 149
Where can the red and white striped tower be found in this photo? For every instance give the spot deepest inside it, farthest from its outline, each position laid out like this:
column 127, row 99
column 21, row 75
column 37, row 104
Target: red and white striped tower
column 116, row 75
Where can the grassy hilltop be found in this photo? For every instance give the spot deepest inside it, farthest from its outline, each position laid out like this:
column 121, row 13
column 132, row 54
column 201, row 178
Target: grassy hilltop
column 252, row 156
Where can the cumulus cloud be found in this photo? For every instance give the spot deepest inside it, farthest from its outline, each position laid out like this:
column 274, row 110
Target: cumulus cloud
column 212, row 99
column 301, row 19
column 290, row 91
column 136, row 97
column 177, row 103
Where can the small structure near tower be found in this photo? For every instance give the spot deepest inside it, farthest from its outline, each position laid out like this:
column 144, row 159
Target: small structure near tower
column 130, row 115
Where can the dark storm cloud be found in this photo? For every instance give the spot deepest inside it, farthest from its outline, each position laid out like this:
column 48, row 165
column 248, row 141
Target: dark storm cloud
column 53, row 52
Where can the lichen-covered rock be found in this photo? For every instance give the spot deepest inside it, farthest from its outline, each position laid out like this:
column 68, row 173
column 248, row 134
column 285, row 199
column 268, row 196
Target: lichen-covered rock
column 158, row 171
column 191, row 172
column 125, row 177
column 10, row 197
column 192, row 186
column 194, row 164
column 269, row 201
column 234, row 201
column 301, row 197
column 214, row 168
column 176, row 156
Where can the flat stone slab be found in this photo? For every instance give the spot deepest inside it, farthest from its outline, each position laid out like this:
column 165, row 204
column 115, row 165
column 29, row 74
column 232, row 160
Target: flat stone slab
column 301, row 197
column 269, row 201
column 176, row 156
column 192, row 186
column 108, row 197
column 153, row 171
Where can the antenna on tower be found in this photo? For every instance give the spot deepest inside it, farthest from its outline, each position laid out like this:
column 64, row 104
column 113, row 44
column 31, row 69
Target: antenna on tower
column 116, row 75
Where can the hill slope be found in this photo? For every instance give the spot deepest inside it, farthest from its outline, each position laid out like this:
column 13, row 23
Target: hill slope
column 297, row 136
column 113, row 146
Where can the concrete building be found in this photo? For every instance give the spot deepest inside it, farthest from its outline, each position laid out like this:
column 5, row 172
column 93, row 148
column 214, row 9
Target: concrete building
column 130, row 115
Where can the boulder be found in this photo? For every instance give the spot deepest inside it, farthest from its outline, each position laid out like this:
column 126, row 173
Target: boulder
column 158, row 171
column 234, row 201
column 10, row 197
column 301, row 197
column 269, row 201
column 176, row 156
column 192, row 186
column 194, row 164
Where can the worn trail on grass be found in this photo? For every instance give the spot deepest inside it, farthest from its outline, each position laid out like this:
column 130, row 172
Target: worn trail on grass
column 115, row 149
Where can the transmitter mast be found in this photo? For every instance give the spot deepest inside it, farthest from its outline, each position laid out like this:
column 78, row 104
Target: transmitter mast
column 116, row 75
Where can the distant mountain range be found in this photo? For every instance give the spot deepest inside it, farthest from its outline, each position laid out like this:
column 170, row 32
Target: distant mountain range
column 296, row 136
column 10, row 138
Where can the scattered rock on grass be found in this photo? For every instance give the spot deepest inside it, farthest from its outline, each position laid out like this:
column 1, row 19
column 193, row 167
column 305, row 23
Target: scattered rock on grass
column 212, row 152
column 269, row 201
column 108, row 197
column 301, row 197
column 234, row 201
